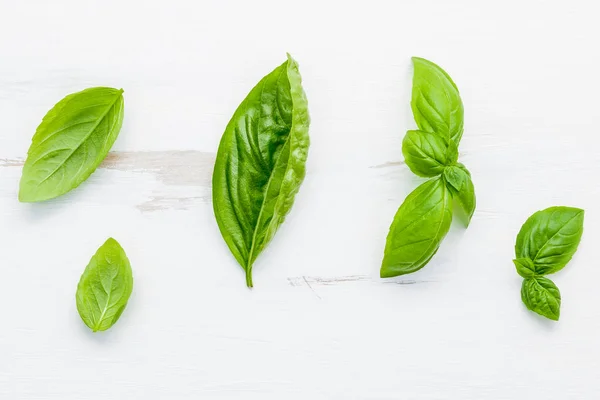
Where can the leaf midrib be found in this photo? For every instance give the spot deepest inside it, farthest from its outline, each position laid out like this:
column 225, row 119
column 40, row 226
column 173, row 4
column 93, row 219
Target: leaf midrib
column 85, row 138
column 424, row 156
column 439, row 228
column 262, row 206
column 105, row 309
column 107, row 305
column 553, row 236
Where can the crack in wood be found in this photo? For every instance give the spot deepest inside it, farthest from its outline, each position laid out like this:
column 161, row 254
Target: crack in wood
column 182, row 168
column 185, row 168
column 311, row 281
column 388, row 164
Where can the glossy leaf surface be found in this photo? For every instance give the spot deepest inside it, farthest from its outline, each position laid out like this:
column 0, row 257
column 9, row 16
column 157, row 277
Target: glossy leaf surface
column 458, row 180
column 419, row 226
column 261, row 163
column 427, row 154
column 550, row 238
column 436, row 103
column 541, row 295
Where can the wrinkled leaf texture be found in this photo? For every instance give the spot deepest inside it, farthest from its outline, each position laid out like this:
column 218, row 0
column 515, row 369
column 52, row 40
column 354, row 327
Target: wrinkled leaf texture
column 261, row 163
column 541, row 295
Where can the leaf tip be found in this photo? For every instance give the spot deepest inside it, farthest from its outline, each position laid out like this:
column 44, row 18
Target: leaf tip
column 385, row 272
column 111, row 241
column 550, row 315
column 419, row 60
column 291, row 63
column 27, row 195
column 23, row 197
column 290, row 59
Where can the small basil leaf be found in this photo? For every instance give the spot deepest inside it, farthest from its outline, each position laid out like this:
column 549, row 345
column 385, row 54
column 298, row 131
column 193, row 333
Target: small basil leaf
column 455, row 178
column 550, row 238
column 72, row 140
column 525, row 267
column 104, row 287
column 541, row 295
column 461, row 186
column 426, row 154
column 261, row 163
column 436, row 103
column 420, row 225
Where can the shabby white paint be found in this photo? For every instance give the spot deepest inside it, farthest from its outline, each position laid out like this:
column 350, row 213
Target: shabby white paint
column 182, row 178
column 319, row 324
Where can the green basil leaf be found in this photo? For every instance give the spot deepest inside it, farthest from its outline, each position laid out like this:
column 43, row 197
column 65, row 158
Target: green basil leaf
column 541, row 295
column 459, row 182
column 525, row 267
column 72, row 140
column 261, row 163
column 436, row 103
column 104, row 287
column 452, row 153
column 427, row 154
column 455, row 178
column 550, row 238
column 420, row 225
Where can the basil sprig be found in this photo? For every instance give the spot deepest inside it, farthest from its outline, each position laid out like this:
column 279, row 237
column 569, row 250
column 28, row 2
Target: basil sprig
column 545, row 244
column 424, row 218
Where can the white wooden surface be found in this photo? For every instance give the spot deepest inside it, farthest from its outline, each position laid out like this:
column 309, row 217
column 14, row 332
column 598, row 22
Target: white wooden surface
column 319, row 324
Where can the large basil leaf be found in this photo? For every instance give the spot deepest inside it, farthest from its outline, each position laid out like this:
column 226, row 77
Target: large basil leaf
column 419, row 226
column 541, row 295
column 461, row 186
column 72, row 140
column 261, row 163
column 427, row 154
column 436, row 103
column 104, row 287
column 550, row 238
